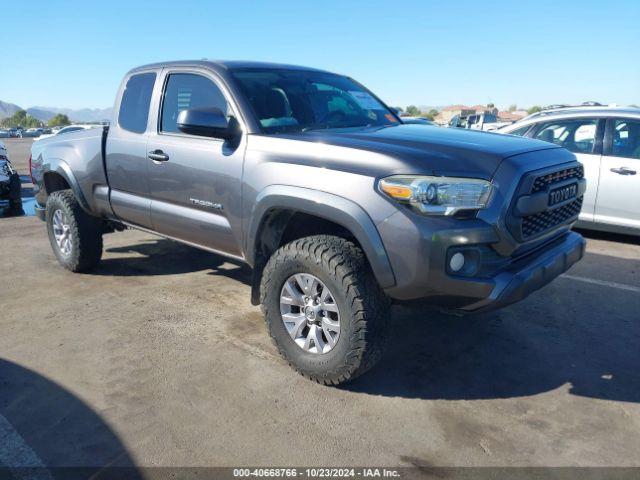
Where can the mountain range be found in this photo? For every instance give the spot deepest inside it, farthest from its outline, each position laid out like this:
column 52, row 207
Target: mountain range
column 46, row 113
column 7, row 109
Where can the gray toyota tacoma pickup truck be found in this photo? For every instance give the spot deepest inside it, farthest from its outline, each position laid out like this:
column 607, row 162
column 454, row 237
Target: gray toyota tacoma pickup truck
column 339, row 208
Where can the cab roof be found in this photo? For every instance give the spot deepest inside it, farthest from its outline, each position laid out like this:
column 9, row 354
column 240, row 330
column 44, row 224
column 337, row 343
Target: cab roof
column 225, row 65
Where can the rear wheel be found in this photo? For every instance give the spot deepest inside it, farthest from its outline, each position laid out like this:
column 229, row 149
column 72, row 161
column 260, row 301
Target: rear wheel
column 324, row 309
column 75, row 236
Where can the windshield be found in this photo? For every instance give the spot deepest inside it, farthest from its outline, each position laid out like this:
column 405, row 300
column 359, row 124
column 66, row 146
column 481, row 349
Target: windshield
column 302, row 100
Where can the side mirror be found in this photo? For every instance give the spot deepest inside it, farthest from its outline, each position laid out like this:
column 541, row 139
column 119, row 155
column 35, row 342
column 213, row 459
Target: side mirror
column 207, row 122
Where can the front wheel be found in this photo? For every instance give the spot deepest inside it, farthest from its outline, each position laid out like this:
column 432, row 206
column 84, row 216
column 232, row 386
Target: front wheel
column 324, row 309
column 75, row 236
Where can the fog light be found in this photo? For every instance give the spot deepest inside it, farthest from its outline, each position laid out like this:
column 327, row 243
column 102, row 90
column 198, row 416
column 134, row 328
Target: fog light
column 457, row 262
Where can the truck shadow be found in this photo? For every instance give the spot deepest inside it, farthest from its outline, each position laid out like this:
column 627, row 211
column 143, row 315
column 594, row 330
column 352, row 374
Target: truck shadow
column 608, row 236
column 43, row 425
column 573, row 335
column 159, row 256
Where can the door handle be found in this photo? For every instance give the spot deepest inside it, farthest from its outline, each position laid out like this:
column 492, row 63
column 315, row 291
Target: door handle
column 623, row 171
column 158, row 156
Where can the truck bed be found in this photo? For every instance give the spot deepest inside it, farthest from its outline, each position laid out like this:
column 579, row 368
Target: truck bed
column 79, row 157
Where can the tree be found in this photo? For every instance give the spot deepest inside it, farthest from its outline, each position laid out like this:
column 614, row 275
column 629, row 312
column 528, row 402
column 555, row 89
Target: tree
column 513, row 108
column 20, row 119
column 490, row 105
column 413, row 110
column 534, row 109
column 431, row 114
column 59, row 120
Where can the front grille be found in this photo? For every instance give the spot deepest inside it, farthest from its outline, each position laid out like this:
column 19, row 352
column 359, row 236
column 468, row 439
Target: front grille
column 543, row 221
column 544, row 181
column 530, row 226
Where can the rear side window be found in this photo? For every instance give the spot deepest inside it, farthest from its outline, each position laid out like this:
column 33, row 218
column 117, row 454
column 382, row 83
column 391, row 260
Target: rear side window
column 520, row 131
column 134, row 107
column 69, row 129
column 577, row 136
column 186, row 90
column 626, row 139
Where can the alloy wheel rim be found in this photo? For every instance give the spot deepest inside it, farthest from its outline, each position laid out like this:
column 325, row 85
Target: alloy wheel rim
column 62, row 232
column 310, row 313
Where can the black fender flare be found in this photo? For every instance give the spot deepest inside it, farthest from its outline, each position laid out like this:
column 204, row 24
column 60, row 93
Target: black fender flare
column 325, row 205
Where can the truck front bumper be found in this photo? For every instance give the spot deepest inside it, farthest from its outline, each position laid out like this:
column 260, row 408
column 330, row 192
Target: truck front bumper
column 530, row 274
column 420, row 253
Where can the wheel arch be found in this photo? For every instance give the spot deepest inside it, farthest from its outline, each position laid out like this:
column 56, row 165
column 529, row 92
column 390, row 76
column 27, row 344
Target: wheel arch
column 278, row 205
column 59, row 176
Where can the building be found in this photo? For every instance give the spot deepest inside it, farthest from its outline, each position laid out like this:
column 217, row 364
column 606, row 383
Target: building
column 485, row 109
column 505, row 116
column 447, row 113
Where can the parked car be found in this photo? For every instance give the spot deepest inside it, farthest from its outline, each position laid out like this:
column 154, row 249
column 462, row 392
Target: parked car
column 15, row 132
column 10, row 187
column 68, row 129
column 32, row 132
column 477, row 121
column 606, row 141
column 4, row 133
column 307, row 177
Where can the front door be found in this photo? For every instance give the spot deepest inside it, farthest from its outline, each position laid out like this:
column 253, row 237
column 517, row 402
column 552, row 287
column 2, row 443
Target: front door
column 127, row 162
column 619, row 193
column 195, row 181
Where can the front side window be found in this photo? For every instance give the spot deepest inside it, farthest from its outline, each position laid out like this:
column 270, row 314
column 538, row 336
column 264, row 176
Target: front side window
column 301, row 100
column 577, row 136
column 134, row 107
column 188, row 90
column 626, row 139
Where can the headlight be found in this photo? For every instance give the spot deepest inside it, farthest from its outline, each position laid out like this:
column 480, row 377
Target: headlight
column 437, row 195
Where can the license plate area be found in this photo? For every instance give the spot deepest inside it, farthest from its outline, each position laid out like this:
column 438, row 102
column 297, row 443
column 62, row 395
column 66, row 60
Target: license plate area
column 563, row 194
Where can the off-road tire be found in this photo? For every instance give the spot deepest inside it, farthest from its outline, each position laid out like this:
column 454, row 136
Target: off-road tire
column 86, row 233
column 341, row 266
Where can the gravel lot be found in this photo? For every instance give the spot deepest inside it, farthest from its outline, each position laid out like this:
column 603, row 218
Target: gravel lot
column 158, row 358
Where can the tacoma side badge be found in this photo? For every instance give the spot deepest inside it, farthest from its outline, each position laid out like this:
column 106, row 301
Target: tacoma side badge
column 205, row 203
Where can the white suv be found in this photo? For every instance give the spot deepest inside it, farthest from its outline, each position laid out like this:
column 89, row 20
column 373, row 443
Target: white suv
column 606, row 141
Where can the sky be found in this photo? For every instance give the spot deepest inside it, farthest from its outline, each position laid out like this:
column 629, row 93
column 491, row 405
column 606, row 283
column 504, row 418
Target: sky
column 73, row 54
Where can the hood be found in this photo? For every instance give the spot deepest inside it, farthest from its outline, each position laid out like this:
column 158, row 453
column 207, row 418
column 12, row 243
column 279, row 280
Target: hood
column 423, row 149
